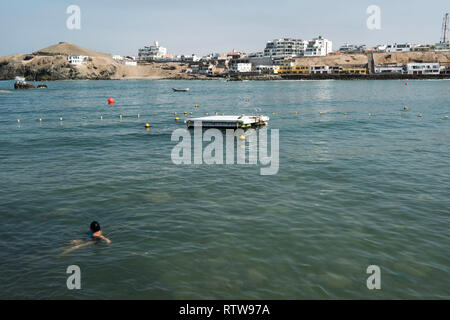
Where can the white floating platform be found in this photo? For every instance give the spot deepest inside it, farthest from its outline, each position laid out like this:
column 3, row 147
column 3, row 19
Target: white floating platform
column 234, row 122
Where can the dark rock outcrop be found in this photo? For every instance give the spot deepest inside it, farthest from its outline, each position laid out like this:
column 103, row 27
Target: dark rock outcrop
column 23, row 85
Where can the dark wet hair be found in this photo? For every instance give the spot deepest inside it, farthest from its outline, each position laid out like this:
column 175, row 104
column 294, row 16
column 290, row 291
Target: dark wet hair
column 95, row 226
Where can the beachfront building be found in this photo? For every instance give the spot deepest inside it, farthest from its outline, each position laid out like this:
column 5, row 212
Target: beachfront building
column 445, row 69
column 423, row 68
column 388, row 69
column 319, row 69
column 399, row 47
column 262, row 64
column 285, row 47
column 289, row 67
column 240, row 66
column 353, row 70
column 318, row 47
column 151, row 53
column 78, row 60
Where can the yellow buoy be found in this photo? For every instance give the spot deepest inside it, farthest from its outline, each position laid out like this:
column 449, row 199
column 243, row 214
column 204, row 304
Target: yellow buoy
column 242, row 137
column 60, row 119
column 196, row 106
column 139, row 115
column 40, row 119
column 405, row 108
column 176, row 118
column 18, row 120
column 190, row 113
column 147, row 125
column 185, row 113
column 246, row 100
column 101, row 117
column 320, row 112
column 420, row 115
column 206, row 114
column 370, row 114
column 446, row 117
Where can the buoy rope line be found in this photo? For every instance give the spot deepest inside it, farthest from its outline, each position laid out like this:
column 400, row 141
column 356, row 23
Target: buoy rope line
column 177, row 116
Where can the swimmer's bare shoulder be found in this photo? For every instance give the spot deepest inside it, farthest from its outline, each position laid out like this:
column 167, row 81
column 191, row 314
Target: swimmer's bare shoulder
column 99, row 235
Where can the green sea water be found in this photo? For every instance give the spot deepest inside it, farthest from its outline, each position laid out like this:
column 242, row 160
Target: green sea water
column 352, row 190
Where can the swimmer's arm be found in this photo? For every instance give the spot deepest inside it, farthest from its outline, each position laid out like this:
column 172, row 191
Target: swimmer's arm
column 105, row 238
column 101, row 236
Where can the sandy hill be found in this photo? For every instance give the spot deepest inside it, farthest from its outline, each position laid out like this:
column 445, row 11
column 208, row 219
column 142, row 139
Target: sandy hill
column 411, row 57
column 334, row 60
column 69, row 49
column 51, row 63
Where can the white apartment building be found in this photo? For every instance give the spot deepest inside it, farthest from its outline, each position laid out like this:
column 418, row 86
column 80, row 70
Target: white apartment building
column 155, row 52
column 399, row 47
column 352, row 48
column 318, row 47
column 388, row 69
column 240, row 67
column 423, row 68
column 77, row 60
column 285, row 47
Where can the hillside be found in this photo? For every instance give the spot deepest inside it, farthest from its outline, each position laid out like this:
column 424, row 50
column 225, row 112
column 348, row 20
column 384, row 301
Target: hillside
column 410, row 57
column 334, row 60
column 51, row 63
column 69, row 49
column 400, row 58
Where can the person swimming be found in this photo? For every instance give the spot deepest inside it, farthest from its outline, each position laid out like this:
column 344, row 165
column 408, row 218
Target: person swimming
column 96, row 232
column 94, row 236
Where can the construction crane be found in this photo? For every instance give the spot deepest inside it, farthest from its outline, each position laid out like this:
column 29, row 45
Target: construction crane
column 445, row 29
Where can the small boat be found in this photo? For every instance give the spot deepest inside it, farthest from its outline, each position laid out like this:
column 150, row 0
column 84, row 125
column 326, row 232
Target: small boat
column 241, row 121
column 180, row 89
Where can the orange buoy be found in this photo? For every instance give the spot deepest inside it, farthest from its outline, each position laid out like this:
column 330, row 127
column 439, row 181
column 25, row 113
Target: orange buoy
column 111, row 101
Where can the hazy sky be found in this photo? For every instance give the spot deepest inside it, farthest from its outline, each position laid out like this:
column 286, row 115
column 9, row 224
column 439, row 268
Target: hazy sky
column 200, row 26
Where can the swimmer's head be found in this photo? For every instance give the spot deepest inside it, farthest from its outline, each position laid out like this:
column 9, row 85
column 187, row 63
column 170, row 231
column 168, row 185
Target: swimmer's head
column 95, row 226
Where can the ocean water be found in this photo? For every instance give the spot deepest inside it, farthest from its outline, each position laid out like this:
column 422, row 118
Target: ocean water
column 352, row 190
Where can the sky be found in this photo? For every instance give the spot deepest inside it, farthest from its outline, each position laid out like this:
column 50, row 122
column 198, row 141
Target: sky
column 206, row 26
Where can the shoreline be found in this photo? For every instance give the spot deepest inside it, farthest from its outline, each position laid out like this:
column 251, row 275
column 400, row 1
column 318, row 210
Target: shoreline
column 320, row 77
